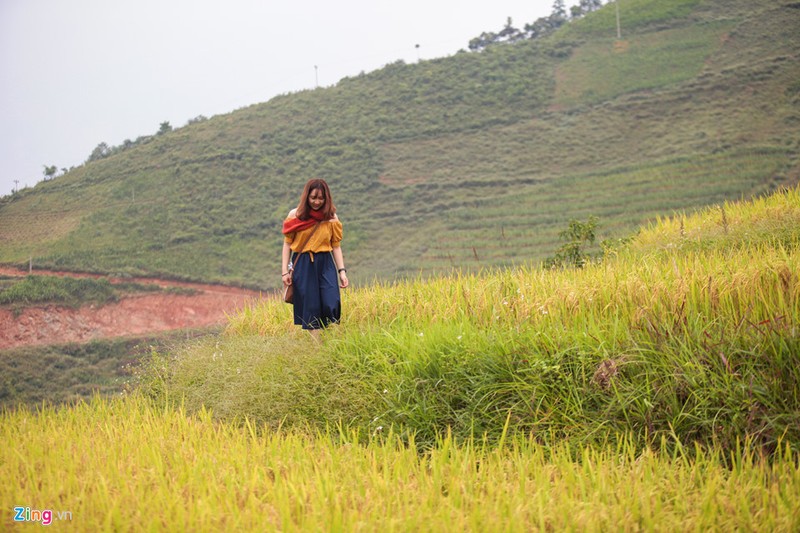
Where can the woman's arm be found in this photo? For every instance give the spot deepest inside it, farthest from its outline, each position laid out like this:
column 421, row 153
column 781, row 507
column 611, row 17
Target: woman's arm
column 285, row 256
column 338, row 258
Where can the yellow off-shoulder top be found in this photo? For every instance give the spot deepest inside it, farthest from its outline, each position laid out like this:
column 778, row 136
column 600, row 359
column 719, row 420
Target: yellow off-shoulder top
column 327, row 237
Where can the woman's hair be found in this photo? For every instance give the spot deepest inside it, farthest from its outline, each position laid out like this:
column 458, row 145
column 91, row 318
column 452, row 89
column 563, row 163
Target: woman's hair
column 303, row 209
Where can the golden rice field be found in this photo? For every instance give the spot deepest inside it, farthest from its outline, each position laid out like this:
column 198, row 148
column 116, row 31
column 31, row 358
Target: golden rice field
column 656, row 390
column 126, row 464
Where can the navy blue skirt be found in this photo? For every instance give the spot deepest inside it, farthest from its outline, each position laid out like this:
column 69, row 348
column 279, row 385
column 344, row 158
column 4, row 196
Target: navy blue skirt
column 316, row 291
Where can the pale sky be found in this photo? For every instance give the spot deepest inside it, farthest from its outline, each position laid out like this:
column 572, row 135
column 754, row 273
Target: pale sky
column 74, row 73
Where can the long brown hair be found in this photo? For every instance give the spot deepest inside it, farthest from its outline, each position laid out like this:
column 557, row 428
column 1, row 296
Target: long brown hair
column 303, row 209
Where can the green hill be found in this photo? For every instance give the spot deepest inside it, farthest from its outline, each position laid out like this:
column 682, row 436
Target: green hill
column 470, row 161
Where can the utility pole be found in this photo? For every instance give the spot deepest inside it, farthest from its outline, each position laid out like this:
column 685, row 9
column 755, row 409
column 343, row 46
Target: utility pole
column 316, row 77
column 619, row 33
column 16, row 185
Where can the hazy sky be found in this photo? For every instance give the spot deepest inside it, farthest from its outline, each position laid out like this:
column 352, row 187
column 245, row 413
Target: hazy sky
column 74, row 73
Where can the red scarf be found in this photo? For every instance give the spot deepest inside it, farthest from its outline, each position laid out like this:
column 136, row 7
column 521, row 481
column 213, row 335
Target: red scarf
column 291, row 225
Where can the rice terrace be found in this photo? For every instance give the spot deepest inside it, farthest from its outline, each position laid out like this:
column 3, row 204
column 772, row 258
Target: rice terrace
column 580, row 310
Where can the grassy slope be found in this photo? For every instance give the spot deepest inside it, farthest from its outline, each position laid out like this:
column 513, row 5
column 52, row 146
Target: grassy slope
column 688, row 333
column 73, row 292
column 68, row 373
column 689, row 336
column 468, row 161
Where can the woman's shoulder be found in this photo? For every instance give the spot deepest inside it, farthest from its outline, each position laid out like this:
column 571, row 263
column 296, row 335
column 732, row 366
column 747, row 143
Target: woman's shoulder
column 292, row 213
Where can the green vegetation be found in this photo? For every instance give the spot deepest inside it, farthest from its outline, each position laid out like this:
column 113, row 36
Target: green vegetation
column 606, row 68
column 637, row 15
column 473, row 161
column 72, row 292
column 64, row 374
column 687, row 333
column 64, row 291
column 656, row 390
column 578, row 238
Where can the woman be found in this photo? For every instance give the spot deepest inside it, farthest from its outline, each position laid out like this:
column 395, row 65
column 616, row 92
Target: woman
column 314, row 233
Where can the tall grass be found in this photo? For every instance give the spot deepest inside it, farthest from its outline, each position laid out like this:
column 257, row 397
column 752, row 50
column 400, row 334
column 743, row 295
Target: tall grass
column 276, row 381
column 689, row 333
column 657, row 390
column 127, row 464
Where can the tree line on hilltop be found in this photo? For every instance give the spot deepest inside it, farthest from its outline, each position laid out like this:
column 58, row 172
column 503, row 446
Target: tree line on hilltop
column 539, row 28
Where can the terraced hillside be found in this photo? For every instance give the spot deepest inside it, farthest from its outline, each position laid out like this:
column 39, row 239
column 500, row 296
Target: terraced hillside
column 469, row 161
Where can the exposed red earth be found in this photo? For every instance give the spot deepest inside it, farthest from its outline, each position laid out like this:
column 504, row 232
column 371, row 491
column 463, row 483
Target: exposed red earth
column 137, row 314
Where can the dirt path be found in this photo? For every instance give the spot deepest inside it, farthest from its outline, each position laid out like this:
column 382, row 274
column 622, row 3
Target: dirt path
column 138, row 314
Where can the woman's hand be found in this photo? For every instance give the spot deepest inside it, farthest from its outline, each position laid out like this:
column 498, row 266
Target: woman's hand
column 343, row 281
column 287, row 279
